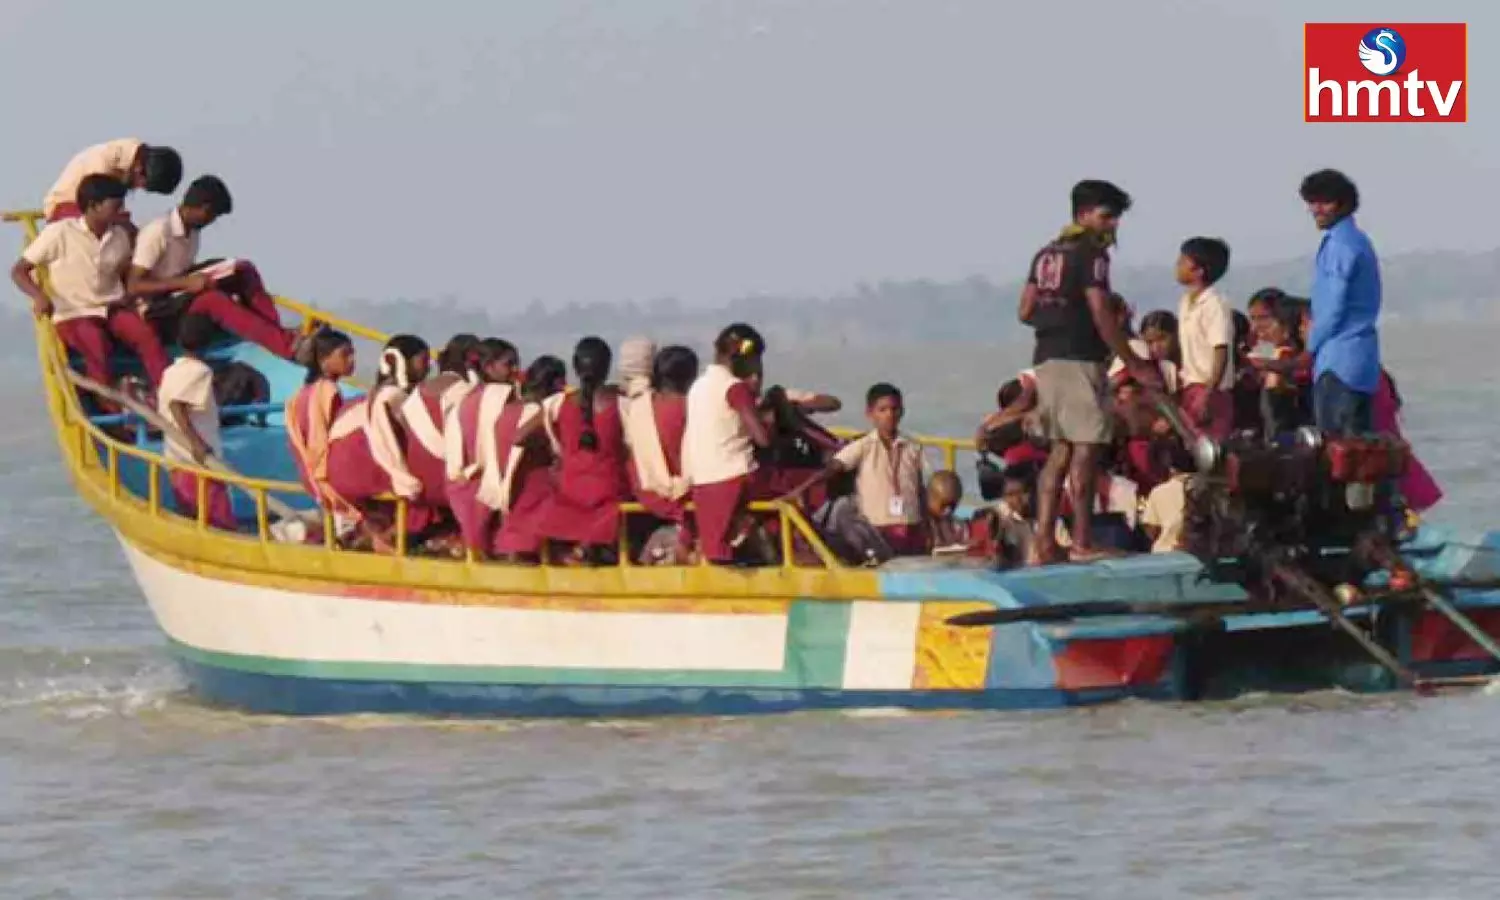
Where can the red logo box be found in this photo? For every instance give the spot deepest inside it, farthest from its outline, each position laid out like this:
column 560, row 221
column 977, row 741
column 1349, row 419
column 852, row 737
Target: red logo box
column 1342, row 84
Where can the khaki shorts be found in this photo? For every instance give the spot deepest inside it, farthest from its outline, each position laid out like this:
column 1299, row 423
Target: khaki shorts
column 1070, row 402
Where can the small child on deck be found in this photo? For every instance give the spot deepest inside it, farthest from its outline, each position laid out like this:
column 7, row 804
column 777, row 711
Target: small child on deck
column 1165, row 511
column 1206, row 335
column 889, row 470
column 186, row 399
column 947, row 532
column 1013, row 517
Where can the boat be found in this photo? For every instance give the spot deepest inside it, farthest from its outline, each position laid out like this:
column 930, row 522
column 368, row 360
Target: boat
column 267, row 626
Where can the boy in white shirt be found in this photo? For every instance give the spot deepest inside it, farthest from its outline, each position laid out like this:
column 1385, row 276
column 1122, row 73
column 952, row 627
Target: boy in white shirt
column 166, row 275
column 890, row 474
column 1165, row 512
column 186, row 400
column 133, row 163
column 1205, row 336
column 86, row 258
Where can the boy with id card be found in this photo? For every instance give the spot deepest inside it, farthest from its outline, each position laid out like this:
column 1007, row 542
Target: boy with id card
column 890, row 474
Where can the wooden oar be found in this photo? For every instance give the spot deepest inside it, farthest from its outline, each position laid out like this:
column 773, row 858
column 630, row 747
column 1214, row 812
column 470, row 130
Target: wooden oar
column 156, row 420
column 1334, row 610
column 1054, row 612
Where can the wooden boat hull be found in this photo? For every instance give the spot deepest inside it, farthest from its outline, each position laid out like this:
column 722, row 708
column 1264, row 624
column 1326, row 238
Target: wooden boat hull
column 294, row 649
column 294, row 646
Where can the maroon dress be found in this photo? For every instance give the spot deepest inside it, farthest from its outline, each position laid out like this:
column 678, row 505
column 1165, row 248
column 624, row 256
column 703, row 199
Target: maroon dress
column 355, row 476
column 588, row 485
column 670, row 412
column 429, row 468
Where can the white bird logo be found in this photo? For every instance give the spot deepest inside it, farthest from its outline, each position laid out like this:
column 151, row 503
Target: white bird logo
column 1380, row 59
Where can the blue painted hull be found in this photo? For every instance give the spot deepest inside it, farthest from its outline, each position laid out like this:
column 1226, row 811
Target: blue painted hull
column 295, row 696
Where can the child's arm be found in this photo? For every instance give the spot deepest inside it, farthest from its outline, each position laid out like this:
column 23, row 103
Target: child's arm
column 181, row 418
column 139, row 283
column 20, row 274
column 742, row 400
column 45, row 250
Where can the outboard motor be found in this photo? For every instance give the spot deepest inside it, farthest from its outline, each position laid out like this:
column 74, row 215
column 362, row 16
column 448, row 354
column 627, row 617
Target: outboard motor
column 1322, row 504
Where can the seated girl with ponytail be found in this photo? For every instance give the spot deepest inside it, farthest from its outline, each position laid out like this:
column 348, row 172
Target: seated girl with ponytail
column 718, row 448
column 366, row 449
column 472, row 467
column 590, row 479
column 309, row 416
column 525, row 452
column 425, row 410
column 655, row 419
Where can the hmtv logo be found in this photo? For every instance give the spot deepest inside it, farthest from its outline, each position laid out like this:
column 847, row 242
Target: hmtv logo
column 1370, row 72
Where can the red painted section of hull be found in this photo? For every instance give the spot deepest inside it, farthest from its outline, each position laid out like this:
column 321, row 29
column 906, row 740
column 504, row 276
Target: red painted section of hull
column 1103, row 663
column 1435, row 639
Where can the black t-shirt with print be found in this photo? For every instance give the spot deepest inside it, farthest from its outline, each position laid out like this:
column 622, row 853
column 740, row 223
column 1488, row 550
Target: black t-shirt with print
column 1062, row 272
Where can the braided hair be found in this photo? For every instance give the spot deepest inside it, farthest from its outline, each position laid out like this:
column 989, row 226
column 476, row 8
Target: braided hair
column 399, row 361
column 591, row 362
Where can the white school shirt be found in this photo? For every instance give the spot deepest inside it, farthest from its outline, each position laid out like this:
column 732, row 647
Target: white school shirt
column 166, row 247
column 191, row 382
column 1204, row 323
column 112, row 158
column 715, row 445
column 1166, row 508
column 86, row 271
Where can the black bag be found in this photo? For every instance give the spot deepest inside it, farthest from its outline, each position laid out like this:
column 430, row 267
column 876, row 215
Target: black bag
column 239, row 384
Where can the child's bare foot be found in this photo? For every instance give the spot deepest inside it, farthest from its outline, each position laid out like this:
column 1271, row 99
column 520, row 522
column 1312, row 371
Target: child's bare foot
column 1091, row 554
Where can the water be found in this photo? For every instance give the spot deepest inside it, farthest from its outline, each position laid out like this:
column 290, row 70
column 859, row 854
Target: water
column 117, row 785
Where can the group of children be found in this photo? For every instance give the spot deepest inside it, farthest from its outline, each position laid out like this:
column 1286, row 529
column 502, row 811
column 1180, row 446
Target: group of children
column 111, row 283
column 1226, row 371
column 515, row 463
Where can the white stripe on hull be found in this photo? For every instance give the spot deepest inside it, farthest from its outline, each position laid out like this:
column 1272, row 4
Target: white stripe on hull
column 227, row 617
column 882, row 648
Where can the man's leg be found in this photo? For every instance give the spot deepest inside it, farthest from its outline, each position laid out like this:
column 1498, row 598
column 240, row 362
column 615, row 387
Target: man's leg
column 1338, row 408
column 1083, row 478
column 1086, row 421
column 251, row 289
column 130, row 329
column 243, row 323
column 1049, row 496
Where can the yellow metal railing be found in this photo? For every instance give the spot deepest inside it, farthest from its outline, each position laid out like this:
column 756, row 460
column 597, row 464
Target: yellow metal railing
column 82, row 437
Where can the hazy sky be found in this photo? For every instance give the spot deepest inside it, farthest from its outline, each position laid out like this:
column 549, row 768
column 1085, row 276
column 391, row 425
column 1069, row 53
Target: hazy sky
column 506, row 151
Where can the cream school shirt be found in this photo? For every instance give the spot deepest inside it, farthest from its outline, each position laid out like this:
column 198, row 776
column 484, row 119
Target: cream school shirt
column 889, row 479
column 87, row 272
column 1204, row 323
column 191, row 382
column 111, row 158
column 1166, row 508
column 166, row 247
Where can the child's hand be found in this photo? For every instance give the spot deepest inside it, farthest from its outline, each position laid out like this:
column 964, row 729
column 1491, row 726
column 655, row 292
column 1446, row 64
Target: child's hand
column 41, row 307
column 196, row 283
column 199, row 449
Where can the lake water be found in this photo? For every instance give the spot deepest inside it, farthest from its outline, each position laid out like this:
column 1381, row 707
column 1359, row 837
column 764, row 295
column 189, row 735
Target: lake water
column 117, row 785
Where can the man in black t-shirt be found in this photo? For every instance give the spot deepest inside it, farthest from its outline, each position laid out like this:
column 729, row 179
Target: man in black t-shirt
column 1067, row 301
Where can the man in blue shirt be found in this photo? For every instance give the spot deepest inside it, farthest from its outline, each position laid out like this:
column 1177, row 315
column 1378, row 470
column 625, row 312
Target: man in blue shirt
column 1345, row 307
